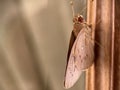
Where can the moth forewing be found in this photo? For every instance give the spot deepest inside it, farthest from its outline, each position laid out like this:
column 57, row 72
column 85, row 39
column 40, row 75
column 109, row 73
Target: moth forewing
column 72, row 74
column 81, row 56
column 76, row 29
column 80, row 53
column 83, row 49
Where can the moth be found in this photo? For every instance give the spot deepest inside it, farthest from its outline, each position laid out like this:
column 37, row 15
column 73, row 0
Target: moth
column 81, row 51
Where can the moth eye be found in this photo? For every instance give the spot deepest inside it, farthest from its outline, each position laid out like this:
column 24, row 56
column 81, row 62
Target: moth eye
column 80, row 19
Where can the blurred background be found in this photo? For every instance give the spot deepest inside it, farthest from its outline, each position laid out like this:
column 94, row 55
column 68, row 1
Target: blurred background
column 34, row 38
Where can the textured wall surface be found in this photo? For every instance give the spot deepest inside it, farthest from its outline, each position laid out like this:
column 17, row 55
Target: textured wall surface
column 34, row 37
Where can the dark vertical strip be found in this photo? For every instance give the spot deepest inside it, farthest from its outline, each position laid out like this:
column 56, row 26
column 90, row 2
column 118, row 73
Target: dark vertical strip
column 116, row 84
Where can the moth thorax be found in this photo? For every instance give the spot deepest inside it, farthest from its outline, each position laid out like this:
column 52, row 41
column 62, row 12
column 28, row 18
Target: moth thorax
column 78, row 19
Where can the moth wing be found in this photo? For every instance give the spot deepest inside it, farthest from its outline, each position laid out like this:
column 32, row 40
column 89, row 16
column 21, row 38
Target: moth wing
column 76, row 30
column 72, row 71
column 84, row 49
column 81, row 57
column 72, row 74
column 77, row 62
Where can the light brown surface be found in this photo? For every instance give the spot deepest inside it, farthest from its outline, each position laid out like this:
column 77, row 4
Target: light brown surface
column 34, row 36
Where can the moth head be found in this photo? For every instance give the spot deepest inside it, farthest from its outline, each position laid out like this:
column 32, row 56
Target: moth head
column 78, row 19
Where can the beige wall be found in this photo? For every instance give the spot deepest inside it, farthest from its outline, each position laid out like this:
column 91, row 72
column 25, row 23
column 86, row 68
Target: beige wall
column 34, row 37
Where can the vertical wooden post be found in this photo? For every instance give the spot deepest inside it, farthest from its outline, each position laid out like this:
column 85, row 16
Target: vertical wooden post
column 101, row 16
column 116, row 74
column 91, row 19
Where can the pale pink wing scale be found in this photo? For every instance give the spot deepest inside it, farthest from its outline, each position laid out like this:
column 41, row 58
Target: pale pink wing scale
column 72, row 70
column 84, row 49
column 72, row 74
column 80, row 54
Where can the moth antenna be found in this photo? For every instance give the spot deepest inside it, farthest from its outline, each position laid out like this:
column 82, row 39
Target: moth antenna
column 98, row 21
column 72, row 6
column 83, row 10
column 106, row 54
column 100, row 45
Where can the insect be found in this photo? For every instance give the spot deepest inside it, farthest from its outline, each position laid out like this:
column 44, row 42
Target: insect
column 81, row 50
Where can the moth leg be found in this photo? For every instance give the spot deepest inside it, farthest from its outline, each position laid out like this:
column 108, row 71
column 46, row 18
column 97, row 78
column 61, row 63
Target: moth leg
column 86, row 33
column 106, row 54
column 83, row 10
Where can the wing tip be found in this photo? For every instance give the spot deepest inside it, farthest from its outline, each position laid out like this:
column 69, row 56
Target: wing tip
column 67, row 86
